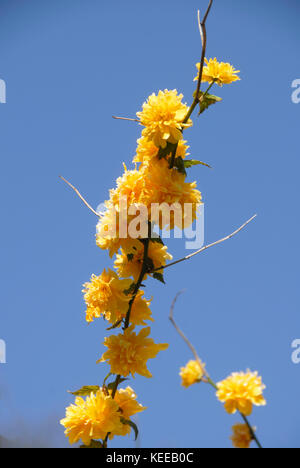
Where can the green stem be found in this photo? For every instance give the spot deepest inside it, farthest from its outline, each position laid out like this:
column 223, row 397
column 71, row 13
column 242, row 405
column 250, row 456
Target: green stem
column 251, row 431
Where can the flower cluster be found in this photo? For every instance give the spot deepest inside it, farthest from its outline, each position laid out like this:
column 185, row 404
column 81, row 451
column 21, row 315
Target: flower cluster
column 155, row 193
column 126, row 231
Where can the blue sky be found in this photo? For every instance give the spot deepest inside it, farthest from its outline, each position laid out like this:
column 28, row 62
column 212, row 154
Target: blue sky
column 69, row 66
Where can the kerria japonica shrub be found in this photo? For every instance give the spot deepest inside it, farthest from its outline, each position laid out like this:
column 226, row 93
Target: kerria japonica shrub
column 156, row 192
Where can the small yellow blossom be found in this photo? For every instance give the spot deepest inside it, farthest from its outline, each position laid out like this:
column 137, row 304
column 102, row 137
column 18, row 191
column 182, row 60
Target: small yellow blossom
column 128, row 353
column 218, row 72
column 128, row 406
column 241, row 437
column 192, row 373
column 104, row 295
column 162, row 117
column 240, row 391
column 129, row 262
column 113, row 229
column 92, row 418
column 130, row 187
column 146, row 150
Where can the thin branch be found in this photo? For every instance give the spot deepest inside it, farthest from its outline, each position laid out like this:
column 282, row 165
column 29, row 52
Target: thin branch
column 207, row 12
column 125, row 118
column 206, row 246
column 185, row 339
column 202, row 27
column 205, row 373
column 251, row 430
column 80, row 196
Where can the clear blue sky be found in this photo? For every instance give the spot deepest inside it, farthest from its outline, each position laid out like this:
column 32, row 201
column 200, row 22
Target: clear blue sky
column 69, row 66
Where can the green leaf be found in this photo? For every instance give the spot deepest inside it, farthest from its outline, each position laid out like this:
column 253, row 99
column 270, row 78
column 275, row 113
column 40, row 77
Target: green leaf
column 159, row 277
column 207, row 100
column 86, row 391
column 194, row 162
column 133, row 426
column 179, row 164
column 95, row 444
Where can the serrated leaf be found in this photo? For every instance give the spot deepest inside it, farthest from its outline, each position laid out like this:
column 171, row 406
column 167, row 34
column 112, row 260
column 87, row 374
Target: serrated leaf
column 133, row 426
column 207, row 100
column 86, row 391
column 159, row 277
column 179, row 164
column 194, row 162
column 95, row 444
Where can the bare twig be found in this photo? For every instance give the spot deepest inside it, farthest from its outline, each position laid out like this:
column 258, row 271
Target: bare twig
column 206, row 378
column 185, row 339
column 125, row 118
column 80, row 196
column 206, row 246
column 202, row 27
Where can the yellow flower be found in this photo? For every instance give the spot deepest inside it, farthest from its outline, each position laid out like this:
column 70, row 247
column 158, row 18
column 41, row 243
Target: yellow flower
column 162, row 117
column 218, row 72
column 128, row 405
column 240, row 391
column 147, row 150
column 129, row 262
column 92, row 418
column 111, row 226
column 169, row 186
column 241, row 437
column 104, row 295
column 128, row 353
column 192, row 373
column 129, row 186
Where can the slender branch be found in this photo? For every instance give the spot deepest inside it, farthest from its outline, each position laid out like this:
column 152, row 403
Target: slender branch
column 125, row 118
column 80, row 196
column 127, row 319
column 188, row 257
column 183, row 336
column 202, row 27
column 253, row 435
column 139, row 282
column 208, row 379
